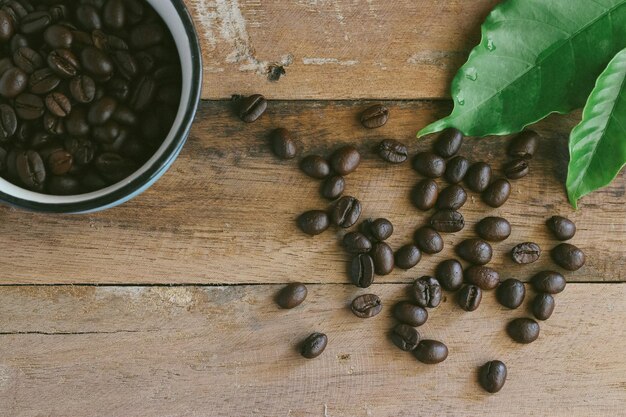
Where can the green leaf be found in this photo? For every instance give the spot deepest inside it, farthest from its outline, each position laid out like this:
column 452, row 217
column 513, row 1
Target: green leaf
column 535, row 57
column 597, row 145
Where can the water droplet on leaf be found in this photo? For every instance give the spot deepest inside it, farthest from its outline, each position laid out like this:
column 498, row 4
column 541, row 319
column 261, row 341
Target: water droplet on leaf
column 471, row 74
column 460, row 99
column 490, row 45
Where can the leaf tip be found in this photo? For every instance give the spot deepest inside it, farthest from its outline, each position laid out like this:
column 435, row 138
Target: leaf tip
column 435, row 127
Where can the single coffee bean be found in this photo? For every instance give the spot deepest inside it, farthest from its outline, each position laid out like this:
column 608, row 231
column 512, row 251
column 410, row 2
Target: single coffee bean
column 118, row 88
column 492, row 376
column 251, row 108
column 13, row 82
column 497, row 193
column 333, row 187
column 31, row 170
column 523, row 330
column 356, row 242
column 35, row 22
column 469, row 297
column 526, row 253
column 543, row 306
column 475, row 251
column 456, row 169
column 58, row 36
column 63, row 185
column 97, row 63
column 482, row 276
column 524, row 145
column 292, row 295
column 283, row 144
column 449, row 273
column 366, row 306
column 41, row 140
column 561, row 227
column 60, row 162
column 29, row 106
column 516, row 169
column 362, row 270
column 43, row 81
column 428, row 240
column 429, row 164
column 143, row 93
column 87, row 17
column 76, row 123
column 392, row 151
column 405, row 337
column 313, row 222
column 114, row 14
column 447, row 221
column 108, row 133
column 452, row 197
column 345, row 160
column 315, row 166
column 378, row 230
column 478, row 177
column 448, row 143
column 27, row 60
column 409, row 313
column 114, row 167
column 128, row 67
column 407, row 257
column 511, row 293
column 83, row 150
column 424, row 195
column 58, row 104
column 568, row 256
column 7, row 27
column 382, row 254
column 495, row 229
column 101, row 110
column 430, row 352
column 550, row 282
column 346, row 212
column 375, row 116
column 146, row 35
column 125, row 116
column 63, row 62
column 58, row 12
column 8, row 122
column 314, row 345
column 427, row 292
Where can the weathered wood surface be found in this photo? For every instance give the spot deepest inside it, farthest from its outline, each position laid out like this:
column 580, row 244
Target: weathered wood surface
column 225, row 212
column 228, row 351
column 335, row 49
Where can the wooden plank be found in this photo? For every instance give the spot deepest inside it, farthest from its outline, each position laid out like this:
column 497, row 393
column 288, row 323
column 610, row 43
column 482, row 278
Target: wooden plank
column 228, row 351
column 225, row 212
column 335, row 49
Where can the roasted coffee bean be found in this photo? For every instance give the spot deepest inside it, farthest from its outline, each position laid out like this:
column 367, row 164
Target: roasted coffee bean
column 41, row 140
column 478, row 177
column 125, row 116
column 8, row 122
column 561, row 227
column 76, row 123
column 375, row 116
column 425, row 194
column 315, row 166
column 524, row 145
column 405, row 337
column 7, row 27
column 449, row 273
column 345, row 160
column 291, row 295
column 13, row 82
column 526, row 253
column 511, row 293
column 407, row 257
column 43, row 81
column 63, row 185
column 63, row 62
column 543, row 306
column 516, row 169
column 251, row 108
column 378, row 229
column 127, row 65
column 29, row 106
column 382, row 254
column 58, row 12
column 16, row 42
column 495, row 229
column 81, row 38
column 427, row 292
column 523, row 330
column 83, row 150
column 143, row 93
column 146, row 35
column 313, row 222
column 346, row 212
column 456, row 169
column 333, row 187
column 31, row 169
column 97, row 63
column 362, row 270
column 283, row 144
column 492, row 376
column 23, row 134
column 27, row 60
column 392, row 151
column 60, row 162
column 497, row 193
column 447, row 221
column 568, row 256
column 114, row 167
column 101, row 110
column 35, row 22
column 366, row 306
column 135, row 11
column 448, row 143
column 58, row 36
column 314, row 345
column 87, row 17
column 482, row 276
column 114, row 14
column 58, row 104
column 452, row 197
column 429, row 164
column 83, row 89
column 469, row 297
column 356, row 242
column 409, row 313
column 430, row 352
column 118, row 88
column 428, row 240
column 550, row 282
column 475, row 251
column 108, row 133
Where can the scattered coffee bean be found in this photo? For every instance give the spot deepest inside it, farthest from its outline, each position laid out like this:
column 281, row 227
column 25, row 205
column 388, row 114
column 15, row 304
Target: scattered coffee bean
column 315, row 166
column 292, row 295
column 283, row 144
column 63, row 185
column 429, row 164
column 362, row 270
column 497, row 193
column 252, row 107
column 63, row 62
column 8, row 122
column 469, row 297
column 427, row 292
column 449, row 273
column 356, row 242
column 431, row 352
column 27, row 60
column 409, row 313
column 375, row 116
column 447, row 221
column 424, row 195
column 313, row 222
column 405, row 337
column 524, row 145
column 58, row 36
column 345, row 160
column 43, row 81
column 379, row 229
column 511, row 293
column 346, row 212
column 526, row 253
column 516, row 169
column 492, row 376
column 13, row 82
column 482, row 276
column 456, row 169
column 383, row 257
column 314, row 345
column 29, row 106
column 543, row 306
column 58, row 104
column 407, row 257
column 568, row 256
column 428, row 240
column 561, row 227
column 452, row 197
column 523, row 330
column 448, row 143
column 392, row 151
column 31, row 170
column 478, row 177
column 60, row 162
column 549, row 282
column 475, row 251
column 83, row 89
column 366, row 306
column 495, row 229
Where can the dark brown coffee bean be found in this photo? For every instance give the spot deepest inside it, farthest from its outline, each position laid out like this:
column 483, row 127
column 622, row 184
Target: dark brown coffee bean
column 475, row 251
column 114, row 167
column 7, row 27
column 469, row 297
column 550, row 282
column 449, row 273
column 452, row 197
column 424, row 195
column 407, row 257
column 58, row 36
column 87, row 17
column 101, row 110
column 60, row 162
column 523, row 330
column 83, row 150
column 497, row 193
column 283, row 144
column 346, row 212
column 429, row 164
column 482, row 276
column 27, row 60
column 427, row 292
column 516, row 169
column 543, row 306
column 146, row 35
column 561, row 227
column 405, row 337
column 524, row 145
column 292, row 295
column 58, row 104
column 314, row 345
column 114, row 14
column 41, row 140
column 143, row 93
column 35, row 22
column 97, row 63
column 118, row 88
column 251, row 108
column 568, row 256
column 392, row 151
column 92, row 181
column 109, row 133
column 76, row 123
column 456, row 169
column 83, row 89
column 313, row 222
column 478, row 177
column 382, row 254
column 428, row 240
column 492, row 376
column 315, row 166
column 345, row 160
column 23, row 134
column 31, row 170
column 375, row 116
column 58, row 12
column 430, row 352
column 13, row 82
column 333, row 187
column 29, row 106
column 526, row 253
column 356, row 242
column 63, row 185
column 495, row 229
column 8, row 122
column 448, row 143
column 63, row 62
column 127, row 66
column 511, row 293
column 409, row 313
column 378, row 230
column 447, row 221
column 366, row 306
column 43, row 81
column 362, row 270
column 125, row 116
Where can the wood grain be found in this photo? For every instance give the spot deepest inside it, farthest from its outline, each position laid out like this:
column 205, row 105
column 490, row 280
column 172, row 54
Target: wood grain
column 228, row 351
column 225, row 212
column 335, row 49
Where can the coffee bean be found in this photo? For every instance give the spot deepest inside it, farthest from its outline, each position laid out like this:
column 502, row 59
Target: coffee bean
column 97, row 63
column 143, row 93
column 87, row 17
column 497, row 193
column 101, row 110
column 469, row 297
column 27, row 60
column 29, row 106
column 568, row 256
column 58, row 104
column 377, row 230
column 291, row 296
column 492, row 376
column 41, row 140
column 482, row 276
column 516, row 169
column 283, row 144
column 550, row 282
column 63, row 185
column 405, row 337
column 60, row 162
column 346, row 212
column 58, row 36
column 313, row 222
column 475, row 251
column 31, row 170
column 118, row 88
column 345, row 160
column 392, row 151
column 511, row 293
column 427, row 292
column 63, row 62
column 456, row 169
column 382, row 254
column 128, row 68
column 448, row 143
column 428, row 240
column 8, row 122
column 430, row 352
column 114, row 14
column 495, row 229
column 108, row 133
column 35, row 22
column 7, row 28
column 362, row 270
column 314, row 345
column 356, row 242
column 526, row 253
column 523, row 330
column 315, row 166
column 478, row 177
column 449, row 273
column 92, row 181
column 524, row 145
column 146, row 35
column 452, row 197
column 333, row 187
column 424, row 195
column 114, row 167
column 407, row 257
column 375, row 116
column 366, row 306
column 561, row 227
column 251, row 108
column 13, row 82
column 125, row 116
column 43, row 81
column 429, row 164
column 447, row 221
column 409, row 313
column 76, row 123
column 83, row 150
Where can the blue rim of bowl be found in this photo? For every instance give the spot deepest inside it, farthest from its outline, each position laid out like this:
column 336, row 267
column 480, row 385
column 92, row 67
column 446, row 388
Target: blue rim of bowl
column 157, row 169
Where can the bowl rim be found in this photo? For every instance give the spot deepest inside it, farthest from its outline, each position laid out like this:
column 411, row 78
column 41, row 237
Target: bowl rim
column 143, row 181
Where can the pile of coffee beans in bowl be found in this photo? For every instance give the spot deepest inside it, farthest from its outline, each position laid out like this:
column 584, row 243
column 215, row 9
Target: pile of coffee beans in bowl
column 89, row 89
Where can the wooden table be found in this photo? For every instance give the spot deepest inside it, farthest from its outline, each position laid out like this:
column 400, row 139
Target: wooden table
column 163, row 307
